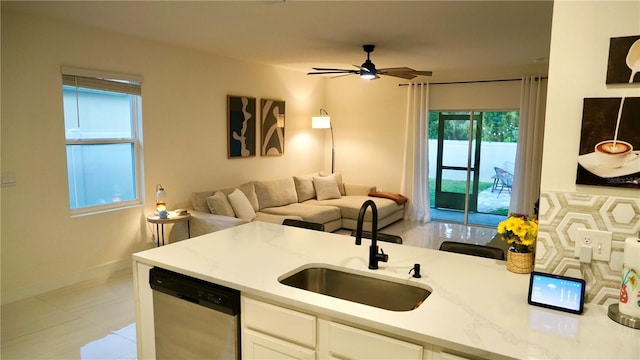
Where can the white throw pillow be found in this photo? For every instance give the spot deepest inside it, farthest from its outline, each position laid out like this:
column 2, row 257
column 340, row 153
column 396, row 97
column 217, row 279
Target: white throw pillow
column 338, row 176
column 326, row 187
column 219, row 204
column 241, row 205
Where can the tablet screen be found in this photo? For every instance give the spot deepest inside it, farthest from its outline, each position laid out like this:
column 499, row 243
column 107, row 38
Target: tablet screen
column 557, row 292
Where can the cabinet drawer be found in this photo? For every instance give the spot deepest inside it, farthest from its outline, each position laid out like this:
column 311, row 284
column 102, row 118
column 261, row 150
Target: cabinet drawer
column 279, row 322
column 260, row 346
column 352, row 343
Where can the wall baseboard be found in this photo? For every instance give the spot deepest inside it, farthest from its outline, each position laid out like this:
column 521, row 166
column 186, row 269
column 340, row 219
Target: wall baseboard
column 96, row 273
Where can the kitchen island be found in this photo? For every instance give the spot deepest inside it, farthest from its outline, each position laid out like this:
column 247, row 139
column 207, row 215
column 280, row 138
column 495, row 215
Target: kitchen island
column 477, row 309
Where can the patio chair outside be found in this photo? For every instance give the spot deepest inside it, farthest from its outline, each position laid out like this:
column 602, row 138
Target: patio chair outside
column 503, row 180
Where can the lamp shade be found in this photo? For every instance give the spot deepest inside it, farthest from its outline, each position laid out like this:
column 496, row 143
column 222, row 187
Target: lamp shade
column 321, row 122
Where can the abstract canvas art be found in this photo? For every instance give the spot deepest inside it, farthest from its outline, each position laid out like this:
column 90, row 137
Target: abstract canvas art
column 241, row 126
column 272, row 127
column 609, row 153
column 623, row 66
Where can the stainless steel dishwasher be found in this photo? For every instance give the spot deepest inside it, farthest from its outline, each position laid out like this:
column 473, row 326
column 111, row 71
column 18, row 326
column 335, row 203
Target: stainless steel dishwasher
column 194, row 319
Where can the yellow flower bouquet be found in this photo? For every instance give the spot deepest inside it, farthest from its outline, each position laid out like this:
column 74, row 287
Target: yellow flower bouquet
column 520, row 231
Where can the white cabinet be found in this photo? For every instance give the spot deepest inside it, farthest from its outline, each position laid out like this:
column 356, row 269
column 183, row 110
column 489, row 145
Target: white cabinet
column 345, row 342
column 274, row 332
column 443, row 355
column 257, row 345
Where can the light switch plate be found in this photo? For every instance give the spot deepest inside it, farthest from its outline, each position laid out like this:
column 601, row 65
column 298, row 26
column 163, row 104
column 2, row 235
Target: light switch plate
column 598, row 240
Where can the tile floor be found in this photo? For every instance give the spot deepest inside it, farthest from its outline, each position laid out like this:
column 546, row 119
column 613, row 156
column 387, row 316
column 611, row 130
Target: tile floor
column 96, row 319
column 89, row 320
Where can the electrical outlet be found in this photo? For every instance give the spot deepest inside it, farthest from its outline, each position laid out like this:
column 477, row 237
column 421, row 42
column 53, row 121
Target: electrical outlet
column 599, row 241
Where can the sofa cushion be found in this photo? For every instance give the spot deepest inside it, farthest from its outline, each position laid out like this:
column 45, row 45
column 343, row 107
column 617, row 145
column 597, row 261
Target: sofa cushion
column 219, row 204
column 326, row 187
column 278, row 192
column 308, row 212
column 275, row 219
column 338, row 176
column 199, row 200
column 249, row 191
column 241, row 205
column 350, row 206
column 304, row 187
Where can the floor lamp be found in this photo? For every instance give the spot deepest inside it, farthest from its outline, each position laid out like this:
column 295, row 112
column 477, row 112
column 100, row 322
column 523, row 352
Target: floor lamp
column 324, row 122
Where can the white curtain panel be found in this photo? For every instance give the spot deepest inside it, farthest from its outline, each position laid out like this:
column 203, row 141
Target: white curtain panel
column 415, row 175
column 528, row 164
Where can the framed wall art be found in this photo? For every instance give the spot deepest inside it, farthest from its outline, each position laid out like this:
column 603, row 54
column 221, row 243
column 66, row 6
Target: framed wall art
column 623, row 66
column 609, row 153
column 241, row 126
column 272, row 127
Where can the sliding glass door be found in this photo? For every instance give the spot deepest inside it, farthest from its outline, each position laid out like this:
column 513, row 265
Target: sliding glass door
column 468, row 149
column 458, row 157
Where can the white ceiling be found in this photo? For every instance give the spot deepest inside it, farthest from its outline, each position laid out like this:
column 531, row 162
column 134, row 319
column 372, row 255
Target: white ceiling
column 441, row 36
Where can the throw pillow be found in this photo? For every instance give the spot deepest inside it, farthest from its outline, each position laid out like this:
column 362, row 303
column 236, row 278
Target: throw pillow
column 219, row 204
column 326, row 187
column 241, row 205
column 304, row 187
column 338, row 176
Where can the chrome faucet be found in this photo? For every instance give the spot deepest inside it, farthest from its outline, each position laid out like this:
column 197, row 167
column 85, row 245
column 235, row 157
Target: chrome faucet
column 374, row 256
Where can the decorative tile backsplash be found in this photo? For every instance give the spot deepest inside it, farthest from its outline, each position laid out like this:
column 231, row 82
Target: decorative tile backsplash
column 561, row 214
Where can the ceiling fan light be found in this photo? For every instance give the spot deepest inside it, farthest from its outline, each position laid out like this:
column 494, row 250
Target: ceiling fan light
column 368, row 70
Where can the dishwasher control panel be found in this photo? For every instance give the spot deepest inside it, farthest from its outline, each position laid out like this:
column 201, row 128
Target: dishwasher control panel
column 194, row 290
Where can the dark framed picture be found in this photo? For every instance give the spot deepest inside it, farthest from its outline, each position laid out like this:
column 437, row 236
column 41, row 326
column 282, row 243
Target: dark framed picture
column 609, row 153
column 241, row 126
column 623, row 66
column 272, row 127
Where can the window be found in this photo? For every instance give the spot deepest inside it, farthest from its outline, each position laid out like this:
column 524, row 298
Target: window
column 102, row 118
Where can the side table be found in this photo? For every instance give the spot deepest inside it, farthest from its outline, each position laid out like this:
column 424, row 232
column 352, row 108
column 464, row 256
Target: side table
column 172, row 219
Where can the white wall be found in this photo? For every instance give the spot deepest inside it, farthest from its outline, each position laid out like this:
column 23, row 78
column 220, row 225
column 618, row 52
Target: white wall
column 577, row 70
column 185, row 145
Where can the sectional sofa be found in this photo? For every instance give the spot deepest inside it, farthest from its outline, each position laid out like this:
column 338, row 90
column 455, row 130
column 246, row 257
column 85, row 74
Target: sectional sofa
column 318, row 197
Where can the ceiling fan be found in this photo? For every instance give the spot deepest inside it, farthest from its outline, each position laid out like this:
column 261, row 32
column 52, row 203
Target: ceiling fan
column 368, row 69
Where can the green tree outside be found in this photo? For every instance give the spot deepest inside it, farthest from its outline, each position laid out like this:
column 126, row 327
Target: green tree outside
column 497, row 126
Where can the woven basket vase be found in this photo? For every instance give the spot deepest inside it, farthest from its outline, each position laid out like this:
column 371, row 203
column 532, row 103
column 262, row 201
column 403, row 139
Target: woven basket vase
column 519, row 263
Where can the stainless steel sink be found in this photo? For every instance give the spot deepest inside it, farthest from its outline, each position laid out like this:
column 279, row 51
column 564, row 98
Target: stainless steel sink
column 362, row 289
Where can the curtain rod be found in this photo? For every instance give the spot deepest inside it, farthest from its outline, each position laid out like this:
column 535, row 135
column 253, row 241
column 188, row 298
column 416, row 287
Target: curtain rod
column 469, row 82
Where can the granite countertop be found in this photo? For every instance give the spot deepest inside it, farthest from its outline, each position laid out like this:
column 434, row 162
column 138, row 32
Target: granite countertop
column 476, row 306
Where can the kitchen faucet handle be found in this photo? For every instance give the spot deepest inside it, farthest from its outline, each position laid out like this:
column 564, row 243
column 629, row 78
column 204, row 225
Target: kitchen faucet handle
column 382, row 256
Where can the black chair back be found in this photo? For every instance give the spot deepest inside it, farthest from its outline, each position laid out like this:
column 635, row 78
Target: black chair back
column 473, row 249
column 304, row 224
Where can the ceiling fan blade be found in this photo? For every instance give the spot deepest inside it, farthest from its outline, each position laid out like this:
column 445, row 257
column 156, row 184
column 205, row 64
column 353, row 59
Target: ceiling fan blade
column 423, row 73
column 330, row 69
column 331, row 72
column 397, row 69
column 404, row 72
column 341, row 75
column 404, row 75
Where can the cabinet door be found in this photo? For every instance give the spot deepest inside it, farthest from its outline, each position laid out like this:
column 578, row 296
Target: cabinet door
column 256, row 345
column 280, row 322
column 351, row 343
column 442, row 355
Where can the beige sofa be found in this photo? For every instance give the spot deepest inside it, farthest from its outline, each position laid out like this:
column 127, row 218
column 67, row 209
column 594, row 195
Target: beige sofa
column 318, row 197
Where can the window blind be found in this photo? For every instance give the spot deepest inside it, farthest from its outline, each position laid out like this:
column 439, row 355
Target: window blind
column 131, row 88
